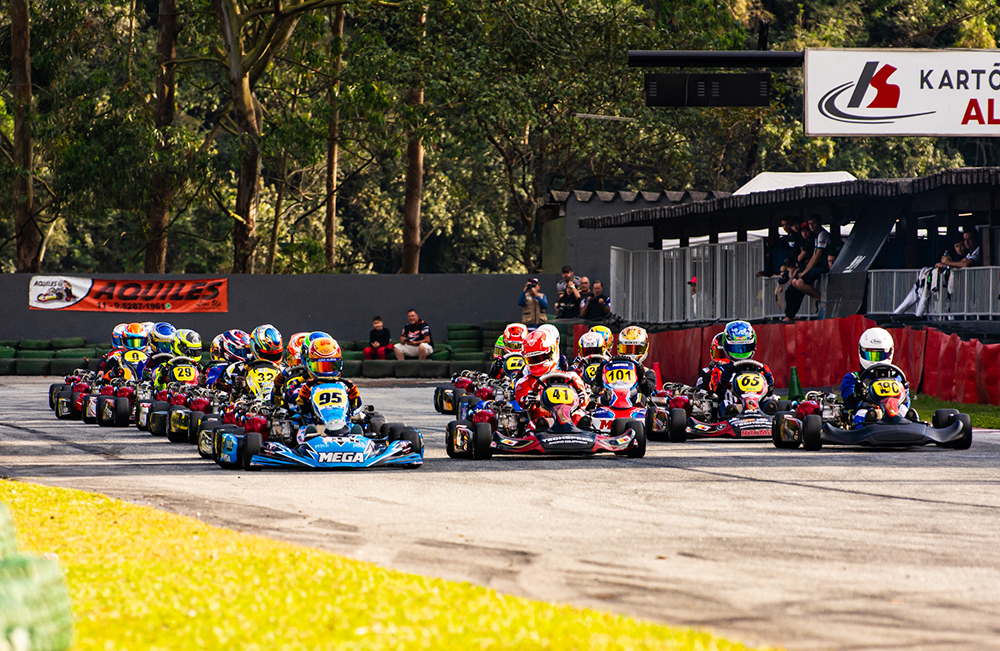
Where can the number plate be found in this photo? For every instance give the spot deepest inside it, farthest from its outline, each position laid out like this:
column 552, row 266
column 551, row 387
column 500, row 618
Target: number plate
column 560, row 395
column 329, row 397
column 751, row 383
column 619, row 374
column 513, row 364
column 185, row 373
column 887, row 388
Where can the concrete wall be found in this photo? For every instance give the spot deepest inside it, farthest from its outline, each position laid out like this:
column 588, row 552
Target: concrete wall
column 588, row 251
column 342, row 305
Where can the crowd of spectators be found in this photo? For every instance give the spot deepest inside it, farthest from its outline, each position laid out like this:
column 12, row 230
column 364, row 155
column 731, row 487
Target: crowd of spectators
column 579, row 299
column 798, row 259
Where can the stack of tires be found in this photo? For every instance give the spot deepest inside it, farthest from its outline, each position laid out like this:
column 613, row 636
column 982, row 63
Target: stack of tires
column 35, row 610
column 492, row 330
column 47, row 356
column 466, row 342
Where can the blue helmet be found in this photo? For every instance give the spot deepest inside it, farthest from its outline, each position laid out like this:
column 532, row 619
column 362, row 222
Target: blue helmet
column 162, row 337
column 740, row 341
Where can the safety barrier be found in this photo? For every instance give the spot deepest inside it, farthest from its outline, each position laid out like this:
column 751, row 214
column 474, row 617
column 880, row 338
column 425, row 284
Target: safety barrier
column 654, row 286
column 969, row 293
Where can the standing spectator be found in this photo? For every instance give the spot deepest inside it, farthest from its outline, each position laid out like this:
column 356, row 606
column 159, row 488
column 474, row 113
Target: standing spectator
column 973, row 256
column 802, row 281
column 379, row 341
column 597, row 304
column 568, row 294
column 533, row 305
column 416, row 338
column 585, row 291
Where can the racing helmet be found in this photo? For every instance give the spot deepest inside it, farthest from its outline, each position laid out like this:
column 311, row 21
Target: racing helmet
column 498, row 348
column 607, row 337
column 541, row 352
column 591, row 343
column 513, row 337
column 148, row 326
column 215, row 350
column 162, row 337
column 739, row 341
column 187, row 343
column 719, row 348
column 875, row 347
column 134, row 337
column 265, row 343
column 633, row 342
column 308, row 339
column 116, row 335
column 323, row 360
column 293, row 352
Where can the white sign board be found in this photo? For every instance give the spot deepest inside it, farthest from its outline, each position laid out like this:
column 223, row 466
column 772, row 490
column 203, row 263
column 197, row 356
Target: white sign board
column 902, row 92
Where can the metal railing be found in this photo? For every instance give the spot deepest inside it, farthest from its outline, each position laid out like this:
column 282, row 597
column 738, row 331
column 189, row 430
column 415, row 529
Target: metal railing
column 653, row 286
column 967, row 293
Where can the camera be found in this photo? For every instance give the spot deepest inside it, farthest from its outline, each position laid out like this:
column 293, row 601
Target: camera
column 532, row 283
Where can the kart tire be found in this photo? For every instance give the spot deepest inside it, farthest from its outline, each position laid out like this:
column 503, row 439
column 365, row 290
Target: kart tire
column 139, row 424
column 194, row 426
column 776, row 433
column 101, row 420
column 158, row 422
column 385, row 431
column 943, row 418
column 456, row 400
column 89, row 420
column 252, row 443
column 649, row 422
column 375, row 424
column 966, row 441
column 54, row 391
column 677, row 426
column 812, row 427
column 618, row 426
column 217, row 443
column 66, row 395
column 784, row 405
column 157, row 405
column 173, row 436
column 449, row 439
column 639, row 450
column 413, row 436
column 437, row 400
column 123, row 412
column 482, row 441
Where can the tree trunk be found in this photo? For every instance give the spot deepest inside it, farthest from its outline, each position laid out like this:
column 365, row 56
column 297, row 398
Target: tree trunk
column 163, row 117
column 29, row 237
column 272, row 249
column 332, row 141
column 414, row 185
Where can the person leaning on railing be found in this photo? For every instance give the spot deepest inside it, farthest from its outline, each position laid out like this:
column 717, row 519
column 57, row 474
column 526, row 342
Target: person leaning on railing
column 973, row 256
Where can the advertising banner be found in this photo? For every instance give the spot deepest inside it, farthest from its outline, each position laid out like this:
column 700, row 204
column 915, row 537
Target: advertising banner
column 902, row 92
column 71, row 293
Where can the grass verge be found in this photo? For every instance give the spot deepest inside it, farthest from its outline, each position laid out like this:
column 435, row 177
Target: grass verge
column 983, row 416
column 145, row 579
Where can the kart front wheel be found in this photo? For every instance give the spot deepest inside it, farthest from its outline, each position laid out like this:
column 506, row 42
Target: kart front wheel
column 89, row 406
column 482, row 441
column 780, row 443
column 812, row 427
column 54, row 390
column 784, row 405
column 638, row 450
column 965, row 441
column 943, row 418
column 250, row 444
column 677, row 426
column 194, row 426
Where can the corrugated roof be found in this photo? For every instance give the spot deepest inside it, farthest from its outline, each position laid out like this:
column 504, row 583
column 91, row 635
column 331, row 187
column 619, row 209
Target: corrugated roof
column 671, row 196
column 722, row 203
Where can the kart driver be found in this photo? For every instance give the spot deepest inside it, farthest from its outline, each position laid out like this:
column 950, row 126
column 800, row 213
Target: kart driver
column 324, row 363
column 131, row 337
column 288, row 381
column 739, row 342
column 229, row 348
column 265, row 346
column 874, row 347
column 511, row 343
column 186, row 350
column 607, row 338
column 589, row 351
column 633, row 346
column 719, row 358
column 541, row 353
column 160, row 347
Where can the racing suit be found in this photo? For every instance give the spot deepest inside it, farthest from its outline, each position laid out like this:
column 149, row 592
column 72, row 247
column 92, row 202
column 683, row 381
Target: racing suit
column 154, row 362
column 287, row 384
column 161, row 375
column 213, row 372
column 526, row 392
column 301, row 405
column 722, row 376
column 111, row 361
column 705, row 376
column 851, row 392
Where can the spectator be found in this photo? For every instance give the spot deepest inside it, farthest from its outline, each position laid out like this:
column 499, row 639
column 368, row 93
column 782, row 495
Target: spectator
column 802, row 281
column 379, row 341
column 416, row 338
column 585, row 292
column 568, row 293
column 533, row 304
column 973, row 256
column 597, row 304
column 777, row 251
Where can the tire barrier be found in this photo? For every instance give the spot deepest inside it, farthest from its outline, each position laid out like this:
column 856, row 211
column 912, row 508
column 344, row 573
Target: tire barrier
column 35, row 611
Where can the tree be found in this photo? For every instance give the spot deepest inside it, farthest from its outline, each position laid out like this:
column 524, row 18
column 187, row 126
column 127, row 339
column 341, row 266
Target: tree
column 25, row 224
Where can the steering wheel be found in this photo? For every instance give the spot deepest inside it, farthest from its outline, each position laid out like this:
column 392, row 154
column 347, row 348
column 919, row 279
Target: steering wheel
column 747, row 365
column 879, row 371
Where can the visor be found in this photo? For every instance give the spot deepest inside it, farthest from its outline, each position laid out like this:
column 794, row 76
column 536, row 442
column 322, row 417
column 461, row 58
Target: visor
column 587, row 352
column 740, row 351
column 513, row 346
column 326, row 367
column 631, row 349
column 874, row 355
column 134, row 342
column 271, row 357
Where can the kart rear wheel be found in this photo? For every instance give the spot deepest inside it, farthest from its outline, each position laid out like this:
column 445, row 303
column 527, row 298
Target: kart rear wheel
column 456, row 400
column 89, row 404
column 123, row 412
column 194, row 426
column 251, row 444
column 677, row 425
column 54, row 391
column 102, row 418
column 943, row 418
column 142, row 421
column 64, row 413
column 776, row 433
column 482, row 441
column 637, row 451
column 438, row 402
column 650, row 424
column 413, row 436
column 175, row 435
column 812, row 427
column 158, row 423
column 784, row 405
column 387, row 429
column 157, row 406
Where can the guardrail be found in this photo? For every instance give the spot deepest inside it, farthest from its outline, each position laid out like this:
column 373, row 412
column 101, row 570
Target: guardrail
column 654, row 286
column 971, row 293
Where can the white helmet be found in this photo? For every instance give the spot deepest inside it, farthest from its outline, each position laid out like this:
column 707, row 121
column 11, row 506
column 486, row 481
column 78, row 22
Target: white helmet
column 875, row 347
column 552, row 329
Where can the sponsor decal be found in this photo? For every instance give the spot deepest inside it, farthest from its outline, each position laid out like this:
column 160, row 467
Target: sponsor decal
column 564, row 440
column 751, row 433
column 702, row 428
column 902, row 92
column 341, row 457
column 71, row 293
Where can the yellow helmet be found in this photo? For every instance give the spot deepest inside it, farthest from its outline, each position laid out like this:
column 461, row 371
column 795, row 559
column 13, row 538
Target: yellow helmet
column 606, row 336
column 633, row 342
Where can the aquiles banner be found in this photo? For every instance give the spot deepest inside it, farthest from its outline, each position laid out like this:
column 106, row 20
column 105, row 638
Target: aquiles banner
column 902, row 92
column 72, row 293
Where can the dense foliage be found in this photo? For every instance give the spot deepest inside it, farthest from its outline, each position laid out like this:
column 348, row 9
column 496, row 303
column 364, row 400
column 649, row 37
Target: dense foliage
column 503, row 82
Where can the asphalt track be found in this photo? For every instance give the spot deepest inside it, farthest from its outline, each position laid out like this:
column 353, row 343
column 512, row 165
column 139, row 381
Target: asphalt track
column 839, row 549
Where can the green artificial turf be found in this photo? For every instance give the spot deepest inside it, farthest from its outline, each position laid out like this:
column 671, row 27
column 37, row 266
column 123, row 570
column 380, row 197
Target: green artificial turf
column 983, row 416
column 141, row 578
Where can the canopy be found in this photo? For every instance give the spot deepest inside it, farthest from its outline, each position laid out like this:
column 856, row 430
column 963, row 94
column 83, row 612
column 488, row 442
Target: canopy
column 780, row 180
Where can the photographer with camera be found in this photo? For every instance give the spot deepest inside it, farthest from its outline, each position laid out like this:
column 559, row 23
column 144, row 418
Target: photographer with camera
column 533, row 305
column 568, row 292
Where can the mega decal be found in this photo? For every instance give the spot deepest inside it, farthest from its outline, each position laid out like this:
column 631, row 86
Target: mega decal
column 902, row 92
column 72, row 293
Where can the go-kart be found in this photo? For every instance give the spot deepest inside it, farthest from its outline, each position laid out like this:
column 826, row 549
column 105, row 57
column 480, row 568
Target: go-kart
column 618, row 388
column 107, row 399
column 506, row 430
column 588, row 367
column 823, row 421
column 470, row 387
column 337, row 440
column 696, row 416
